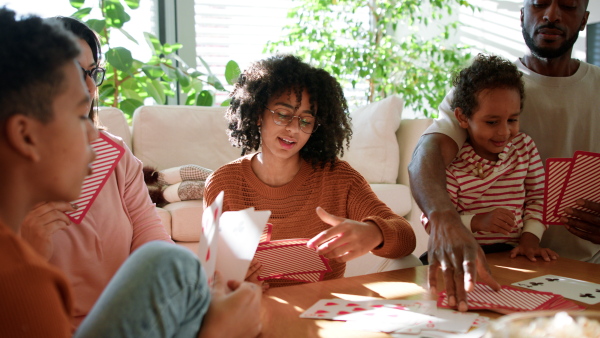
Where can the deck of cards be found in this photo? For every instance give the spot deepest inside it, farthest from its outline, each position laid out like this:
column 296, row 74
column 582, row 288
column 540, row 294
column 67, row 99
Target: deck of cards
column 509, row 300
column 569, row 179
column 231, row 239
column 398, row 317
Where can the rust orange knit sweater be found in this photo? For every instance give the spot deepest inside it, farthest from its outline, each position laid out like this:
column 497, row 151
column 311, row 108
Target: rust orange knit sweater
column 35, row 298
column 342, row 192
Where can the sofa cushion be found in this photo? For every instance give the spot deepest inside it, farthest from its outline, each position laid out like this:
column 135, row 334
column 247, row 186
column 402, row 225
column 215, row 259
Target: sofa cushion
column 186, row 216
column 170, row 136
column 115, row 122
column 374, row 150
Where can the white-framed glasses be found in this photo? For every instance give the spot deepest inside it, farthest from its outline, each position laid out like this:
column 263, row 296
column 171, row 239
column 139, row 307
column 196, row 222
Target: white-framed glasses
column 283, row 117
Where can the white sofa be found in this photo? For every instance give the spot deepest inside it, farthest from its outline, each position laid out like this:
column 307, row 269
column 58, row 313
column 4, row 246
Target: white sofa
column 170, row 136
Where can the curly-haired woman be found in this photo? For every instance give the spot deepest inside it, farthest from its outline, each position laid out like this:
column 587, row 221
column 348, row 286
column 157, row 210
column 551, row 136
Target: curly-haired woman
column 297, row 115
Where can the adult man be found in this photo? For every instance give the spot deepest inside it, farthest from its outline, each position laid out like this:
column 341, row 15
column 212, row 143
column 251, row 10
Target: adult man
column 559, row 113
column 45, row 136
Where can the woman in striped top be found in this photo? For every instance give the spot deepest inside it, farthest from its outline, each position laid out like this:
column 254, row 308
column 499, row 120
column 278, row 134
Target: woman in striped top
column 496, row 181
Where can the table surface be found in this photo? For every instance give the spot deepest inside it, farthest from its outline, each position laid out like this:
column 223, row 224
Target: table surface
column 282, row 306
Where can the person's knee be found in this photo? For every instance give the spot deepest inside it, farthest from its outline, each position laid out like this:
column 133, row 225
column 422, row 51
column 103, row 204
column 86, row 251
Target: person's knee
column 166, row 258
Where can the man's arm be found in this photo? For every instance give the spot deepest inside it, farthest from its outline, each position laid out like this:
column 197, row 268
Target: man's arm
column 451, row 246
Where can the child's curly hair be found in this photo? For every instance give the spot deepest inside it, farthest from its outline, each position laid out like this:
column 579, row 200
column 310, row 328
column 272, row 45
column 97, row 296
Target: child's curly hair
column 286, row 73
column 486, row 72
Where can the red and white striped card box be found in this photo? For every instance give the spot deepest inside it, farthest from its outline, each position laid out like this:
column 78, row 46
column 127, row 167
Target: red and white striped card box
column 108, row 154
column 291, row 259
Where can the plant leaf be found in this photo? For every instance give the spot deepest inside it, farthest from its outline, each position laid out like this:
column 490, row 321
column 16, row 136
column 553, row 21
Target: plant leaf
column 128, row 36
column 205, row 98
column 128, row 106
column 115, row 14
column 183, row 79
column 152, row 72
column 232, row 72
column 120, row 58
column 155, row 89
column 154, row 43
column 96, row 25
column 76, row 3
column 133, row 4
column 226, row 103
column 214, row 81
column 81, row 13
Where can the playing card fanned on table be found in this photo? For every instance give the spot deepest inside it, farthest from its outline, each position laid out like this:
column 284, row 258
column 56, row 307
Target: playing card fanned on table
column 510, row 299
column 394, row 316
column 108, row 154
column 585, row 292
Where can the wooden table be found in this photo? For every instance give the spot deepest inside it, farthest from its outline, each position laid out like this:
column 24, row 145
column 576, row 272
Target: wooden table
column 282, row 306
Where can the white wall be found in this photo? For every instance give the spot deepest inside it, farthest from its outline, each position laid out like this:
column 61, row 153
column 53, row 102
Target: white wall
column 594, row 9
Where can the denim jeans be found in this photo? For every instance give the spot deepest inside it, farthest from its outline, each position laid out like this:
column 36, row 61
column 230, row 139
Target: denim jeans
column 160, row 291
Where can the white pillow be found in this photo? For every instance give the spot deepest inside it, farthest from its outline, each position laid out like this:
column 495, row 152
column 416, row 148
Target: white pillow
column 374, row 150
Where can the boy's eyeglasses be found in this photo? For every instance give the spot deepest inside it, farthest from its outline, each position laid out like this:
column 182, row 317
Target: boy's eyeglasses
column 283, row 117
column 96, row 74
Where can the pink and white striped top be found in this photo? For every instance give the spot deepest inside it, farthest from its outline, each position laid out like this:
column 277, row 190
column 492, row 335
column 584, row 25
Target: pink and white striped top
column 514, row 182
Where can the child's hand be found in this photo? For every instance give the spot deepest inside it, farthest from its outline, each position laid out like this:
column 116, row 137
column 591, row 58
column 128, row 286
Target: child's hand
column 254, row 271
column 499, row 220
column 529, row 246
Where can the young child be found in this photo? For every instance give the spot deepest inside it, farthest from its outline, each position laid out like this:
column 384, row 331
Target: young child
column 496, row 181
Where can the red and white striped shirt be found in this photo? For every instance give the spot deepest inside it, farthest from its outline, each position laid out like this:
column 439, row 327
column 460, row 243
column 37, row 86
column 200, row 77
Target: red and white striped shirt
column 514, row 182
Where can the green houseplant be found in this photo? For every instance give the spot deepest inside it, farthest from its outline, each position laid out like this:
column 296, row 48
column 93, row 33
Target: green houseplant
column 380, row 42
column 129, row 82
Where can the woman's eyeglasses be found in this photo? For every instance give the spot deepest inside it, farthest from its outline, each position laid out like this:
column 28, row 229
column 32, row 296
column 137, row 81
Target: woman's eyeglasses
column 96, row 74
column 283, row 117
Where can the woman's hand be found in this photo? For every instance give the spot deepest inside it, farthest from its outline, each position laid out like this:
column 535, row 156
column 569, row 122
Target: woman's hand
column 42, row 222
column 254, row 271
column 346, row 239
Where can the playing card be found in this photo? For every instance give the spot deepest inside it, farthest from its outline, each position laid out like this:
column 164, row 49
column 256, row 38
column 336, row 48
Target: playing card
column 398, row 320
column 289, row 259
column 579, row 290
column 207, row 249
column 557, row 170
column 340, row 309
column 266, row 234
column 508, row 298
column 239, row 235
column 582, row 182
column 108, row 154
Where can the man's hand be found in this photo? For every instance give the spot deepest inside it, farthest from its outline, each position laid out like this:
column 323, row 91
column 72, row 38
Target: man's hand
column 234, row 310
column 453, row 249
column 584, row 224
column 346, row 239
column 42, row 222
column 499, row 220
column 529, row 246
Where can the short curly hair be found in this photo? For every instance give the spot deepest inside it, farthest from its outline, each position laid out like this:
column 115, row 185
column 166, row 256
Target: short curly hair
column 32, row 57
column 286, row 73
column 486, row 72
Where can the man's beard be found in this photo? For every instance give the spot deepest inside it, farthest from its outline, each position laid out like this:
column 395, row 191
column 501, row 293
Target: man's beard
column 549, row 53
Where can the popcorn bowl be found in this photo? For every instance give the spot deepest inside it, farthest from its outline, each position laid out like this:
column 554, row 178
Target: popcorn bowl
column 564, row 324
